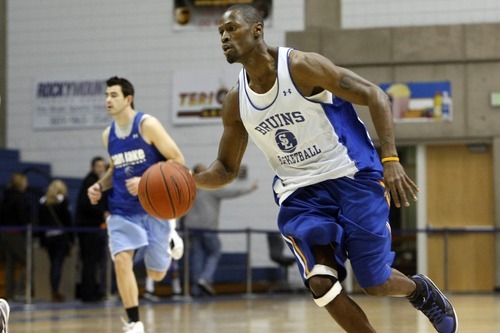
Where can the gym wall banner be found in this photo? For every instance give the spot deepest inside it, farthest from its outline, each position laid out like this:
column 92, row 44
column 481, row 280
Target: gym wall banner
column 197, row 95
column 196, row 15
column 67, row 104
column 420, row 101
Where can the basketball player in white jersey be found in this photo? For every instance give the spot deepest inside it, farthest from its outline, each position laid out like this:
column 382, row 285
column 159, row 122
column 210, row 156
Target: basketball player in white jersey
column 332, row 188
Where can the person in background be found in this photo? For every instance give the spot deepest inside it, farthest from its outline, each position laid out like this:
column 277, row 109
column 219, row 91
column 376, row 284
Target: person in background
column 92, row 243
column 16, row 213
column 203, row 221
column 333, row 189
column 54, row 213
column 135, row 141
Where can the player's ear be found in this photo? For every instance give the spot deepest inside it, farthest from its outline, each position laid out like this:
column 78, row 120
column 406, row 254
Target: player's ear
column 129, row 99
column 258, row 30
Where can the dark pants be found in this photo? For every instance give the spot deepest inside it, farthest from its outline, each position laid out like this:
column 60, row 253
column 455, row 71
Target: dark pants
column 93, row 255
column 14, row 245
column 58, row 249
column 205, row 253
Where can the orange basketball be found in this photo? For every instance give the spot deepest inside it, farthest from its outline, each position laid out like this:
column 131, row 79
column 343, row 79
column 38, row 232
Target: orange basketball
column 167, row 190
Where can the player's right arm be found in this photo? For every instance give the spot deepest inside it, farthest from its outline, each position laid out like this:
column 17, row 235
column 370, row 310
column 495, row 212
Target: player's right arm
column 94, row 192
column 232, row 147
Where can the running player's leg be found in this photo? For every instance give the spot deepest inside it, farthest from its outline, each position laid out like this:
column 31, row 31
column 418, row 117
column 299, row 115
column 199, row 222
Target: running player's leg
column 309, row 222
column 126, row 234
column 423, row 295
column 328, row 293
column 369, row 249
column 158, row 255
column 125, row 279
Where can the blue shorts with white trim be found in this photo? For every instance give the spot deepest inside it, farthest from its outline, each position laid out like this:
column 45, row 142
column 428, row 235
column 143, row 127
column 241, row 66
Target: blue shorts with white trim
column 349, row 214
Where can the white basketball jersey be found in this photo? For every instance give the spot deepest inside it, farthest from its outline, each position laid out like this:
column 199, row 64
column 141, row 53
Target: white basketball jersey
column 306, row 139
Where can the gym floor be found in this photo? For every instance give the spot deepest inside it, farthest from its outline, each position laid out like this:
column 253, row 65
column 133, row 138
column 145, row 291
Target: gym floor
column 260, row 313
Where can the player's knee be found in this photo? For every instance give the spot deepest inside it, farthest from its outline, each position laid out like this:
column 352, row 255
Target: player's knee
column 122, row 262
column 319, row 285
column 324, row 284
column 156, row 275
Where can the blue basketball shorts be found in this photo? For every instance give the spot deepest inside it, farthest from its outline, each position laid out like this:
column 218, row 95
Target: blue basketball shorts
column 144, row 233
column 349, row 214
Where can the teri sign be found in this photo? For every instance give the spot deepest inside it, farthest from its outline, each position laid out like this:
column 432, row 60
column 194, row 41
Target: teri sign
column 197, row 95
column 420, row 101
column 69, row 104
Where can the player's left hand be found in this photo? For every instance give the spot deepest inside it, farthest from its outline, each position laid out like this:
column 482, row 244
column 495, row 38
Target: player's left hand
column 94, row 193
column 399, row 184
column 132, row 185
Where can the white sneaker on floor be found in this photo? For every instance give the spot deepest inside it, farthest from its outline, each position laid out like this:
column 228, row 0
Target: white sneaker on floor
column 133, row 327
column 4, row 316
column 176, row 245
column 151, row 297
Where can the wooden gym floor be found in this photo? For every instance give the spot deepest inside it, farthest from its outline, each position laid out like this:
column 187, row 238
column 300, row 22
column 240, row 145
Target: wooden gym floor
column 261, row 313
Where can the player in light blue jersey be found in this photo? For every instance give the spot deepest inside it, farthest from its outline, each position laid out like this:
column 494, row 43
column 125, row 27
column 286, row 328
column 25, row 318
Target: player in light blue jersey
column 332, row 188
column 135, row 141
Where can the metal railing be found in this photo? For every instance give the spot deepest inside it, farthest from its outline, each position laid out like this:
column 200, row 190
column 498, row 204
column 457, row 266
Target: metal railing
column 30, row 231
column 446, row 233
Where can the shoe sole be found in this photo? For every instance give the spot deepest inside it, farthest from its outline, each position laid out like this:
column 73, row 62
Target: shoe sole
column 151, row 298
column 206, row 288
column 428, row 280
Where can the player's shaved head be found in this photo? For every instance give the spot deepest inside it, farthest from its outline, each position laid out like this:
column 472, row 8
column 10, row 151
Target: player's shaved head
column 249, row 14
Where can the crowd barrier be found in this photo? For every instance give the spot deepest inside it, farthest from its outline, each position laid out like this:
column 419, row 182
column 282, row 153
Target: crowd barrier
column 248, row 232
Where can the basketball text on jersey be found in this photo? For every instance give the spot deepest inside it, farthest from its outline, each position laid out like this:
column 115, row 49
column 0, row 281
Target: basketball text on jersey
column 126, row 158
column 299, row 156
column 279, row 120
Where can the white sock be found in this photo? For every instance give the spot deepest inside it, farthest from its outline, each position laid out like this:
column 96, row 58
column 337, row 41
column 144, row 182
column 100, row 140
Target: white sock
column 150, row 285
column 176, row 286
column 173, row 224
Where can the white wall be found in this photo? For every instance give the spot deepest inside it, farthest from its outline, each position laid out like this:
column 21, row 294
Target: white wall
column 390, row 13
column 57, row 39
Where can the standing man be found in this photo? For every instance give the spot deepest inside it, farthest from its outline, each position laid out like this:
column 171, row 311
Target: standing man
column 92, row 243
column 135, row 141
column 15, row 211
column 203, row 222
column 330, row 184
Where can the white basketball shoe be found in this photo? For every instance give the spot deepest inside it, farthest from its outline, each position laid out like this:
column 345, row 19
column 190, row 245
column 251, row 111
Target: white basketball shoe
column 176, row 242
column 133, row 327
column 176, row 245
